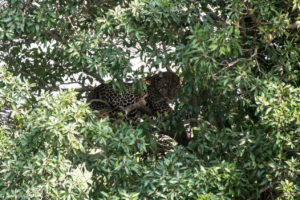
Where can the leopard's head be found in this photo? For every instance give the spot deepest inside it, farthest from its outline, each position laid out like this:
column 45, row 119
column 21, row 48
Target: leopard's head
column 166, row 83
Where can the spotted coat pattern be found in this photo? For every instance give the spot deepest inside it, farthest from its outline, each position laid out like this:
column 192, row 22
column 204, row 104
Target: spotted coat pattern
column 161, row 89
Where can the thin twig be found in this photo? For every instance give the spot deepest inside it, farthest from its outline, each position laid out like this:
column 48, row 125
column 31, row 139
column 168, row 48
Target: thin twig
column 228, row 65
column 70, row 21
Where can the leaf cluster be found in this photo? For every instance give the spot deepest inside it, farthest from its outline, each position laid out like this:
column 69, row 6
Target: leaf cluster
column 239, row 101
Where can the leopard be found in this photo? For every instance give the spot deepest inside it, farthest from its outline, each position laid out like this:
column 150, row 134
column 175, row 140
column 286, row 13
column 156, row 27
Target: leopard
column 154, row 101
column 161, row 90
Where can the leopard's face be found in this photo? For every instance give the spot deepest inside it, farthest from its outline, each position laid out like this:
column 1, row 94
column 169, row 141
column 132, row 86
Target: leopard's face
column 166, row 83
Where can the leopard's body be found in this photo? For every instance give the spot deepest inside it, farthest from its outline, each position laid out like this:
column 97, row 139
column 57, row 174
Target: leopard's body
column 161, row 90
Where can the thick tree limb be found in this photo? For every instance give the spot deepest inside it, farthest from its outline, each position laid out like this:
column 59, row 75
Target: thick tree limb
column 84, row 89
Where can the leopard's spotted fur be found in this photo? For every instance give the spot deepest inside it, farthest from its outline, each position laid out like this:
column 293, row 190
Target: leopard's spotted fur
column 161, row 90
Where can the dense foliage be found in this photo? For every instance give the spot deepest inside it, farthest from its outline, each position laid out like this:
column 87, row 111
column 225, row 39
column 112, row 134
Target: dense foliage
column 240, row 99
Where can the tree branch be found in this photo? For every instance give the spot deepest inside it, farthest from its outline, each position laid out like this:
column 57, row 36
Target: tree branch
column 228, row 65
column 84, row 89
column 94, row 75
column 213, row 15
column 26, row 74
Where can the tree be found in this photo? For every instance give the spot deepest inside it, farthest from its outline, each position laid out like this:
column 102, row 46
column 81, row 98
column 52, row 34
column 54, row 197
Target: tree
column 240, row 98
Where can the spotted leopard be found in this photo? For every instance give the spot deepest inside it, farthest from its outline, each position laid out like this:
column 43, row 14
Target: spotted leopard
column 161, row 89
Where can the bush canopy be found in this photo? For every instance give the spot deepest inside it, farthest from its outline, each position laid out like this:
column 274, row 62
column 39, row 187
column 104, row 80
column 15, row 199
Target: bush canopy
column 239, row 100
